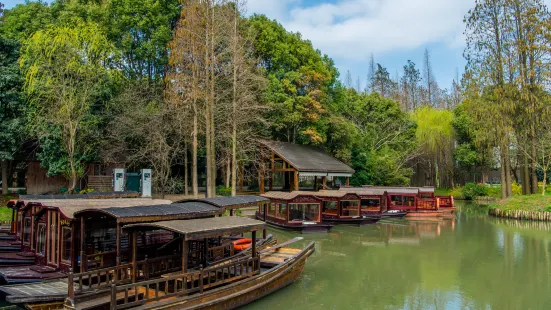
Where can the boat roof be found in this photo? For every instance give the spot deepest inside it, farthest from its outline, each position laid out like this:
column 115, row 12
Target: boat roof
column 196, row 229
column 364, row 190
column 229, row 202
column 92, row 195
column 68, row 207
column 306, row 158
column 162, row 212
column 292, row 195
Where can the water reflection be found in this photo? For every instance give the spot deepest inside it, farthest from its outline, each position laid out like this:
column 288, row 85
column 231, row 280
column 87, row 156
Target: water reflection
column 472, row 261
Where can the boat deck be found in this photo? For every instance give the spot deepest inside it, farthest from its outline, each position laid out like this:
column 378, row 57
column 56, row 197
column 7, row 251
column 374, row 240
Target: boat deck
column 55, row 290
column 13, row 275
column 15, row 258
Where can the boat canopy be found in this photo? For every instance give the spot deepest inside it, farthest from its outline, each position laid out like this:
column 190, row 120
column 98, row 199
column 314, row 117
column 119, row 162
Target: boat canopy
column 162, row 212
column 197, row 229
column 229, row 202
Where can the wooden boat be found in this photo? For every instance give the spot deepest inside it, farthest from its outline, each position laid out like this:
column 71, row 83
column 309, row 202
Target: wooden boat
column 223, row 285
column 49, row 247
column 298, row 211
column 394, row 214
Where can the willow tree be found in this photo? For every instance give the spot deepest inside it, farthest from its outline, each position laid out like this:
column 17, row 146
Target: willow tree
column 66, row 69
column 435, row 138
column 486, row 52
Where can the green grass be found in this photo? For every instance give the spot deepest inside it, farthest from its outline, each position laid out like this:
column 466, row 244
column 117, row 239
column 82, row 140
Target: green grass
column 533, row 203
column 5, row 213
column 443, row 192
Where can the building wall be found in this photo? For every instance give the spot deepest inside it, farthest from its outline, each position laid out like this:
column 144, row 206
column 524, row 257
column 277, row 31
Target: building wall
column 38, row 182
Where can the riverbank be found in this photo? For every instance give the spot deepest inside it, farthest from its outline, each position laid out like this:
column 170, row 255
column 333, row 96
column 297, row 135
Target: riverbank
column 530, row 207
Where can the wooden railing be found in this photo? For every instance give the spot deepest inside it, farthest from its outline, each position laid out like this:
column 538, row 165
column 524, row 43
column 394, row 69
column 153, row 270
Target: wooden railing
column 427, row 204
column 81, row 283
column 97, row 261
column 445, row 201
column 135, row 294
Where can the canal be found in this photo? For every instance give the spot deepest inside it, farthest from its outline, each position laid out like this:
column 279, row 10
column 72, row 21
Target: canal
column 471, row 262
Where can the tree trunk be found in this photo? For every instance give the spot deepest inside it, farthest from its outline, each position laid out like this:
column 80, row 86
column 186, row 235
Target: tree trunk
column 544, row 182
column 194, row 177
column 502, row 175
column 525, row 176
column 207, row 115
column 4, row 177
column 508, row 172
column 186, row 171
column 212, row 104
column 234, row 110
column 534, row 156
column 228, row 171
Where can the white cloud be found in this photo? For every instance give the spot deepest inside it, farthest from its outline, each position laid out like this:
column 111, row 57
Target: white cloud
column 352, row 29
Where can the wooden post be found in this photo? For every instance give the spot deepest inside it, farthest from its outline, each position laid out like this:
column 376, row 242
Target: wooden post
column 231, row 212
column 71, row 290
column 264, row 234
column 134, row 255
column 316, row 183
column 272, row 173
column 12, row 230
column 114, row 296
column 118, row 244
column 324, row 181
column 184, row 255
column 265, row 210
column 261, row 179
column 253, row 247
column 205, row 251
column 241, row 179
column 296, row 186
column 347, row 181
column 83, row 260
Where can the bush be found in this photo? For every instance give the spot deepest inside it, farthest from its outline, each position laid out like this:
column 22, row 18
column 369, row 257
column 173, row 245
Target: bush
column 176, row 187
column 473, row 190
column 547, row 209
column 223, row 191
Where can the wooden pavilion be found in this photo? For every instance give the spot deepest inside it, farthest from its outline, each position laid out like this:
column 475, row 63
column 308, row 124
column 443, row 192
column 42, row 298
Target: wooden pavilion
column 295, row 161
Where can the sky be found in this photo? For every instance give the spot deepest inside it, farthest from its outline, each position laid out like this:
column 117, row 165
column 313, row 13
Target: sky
column 394, row 31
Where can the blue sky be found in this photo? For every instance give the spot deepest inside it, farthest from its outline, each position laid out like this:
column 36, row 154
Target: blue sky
column 393, row 30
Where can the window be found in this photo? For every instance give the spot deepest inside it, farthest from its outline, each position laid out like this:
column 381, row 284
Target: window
column 272, row 209
column 426, row 195
column 27, row 230
column 41, row 239
column 67, row 236
column 396, row 200
column 330, row 207
column 409, row 201
column 304, row 212
column 370, row 204
column 350, row 208
column 282, row 210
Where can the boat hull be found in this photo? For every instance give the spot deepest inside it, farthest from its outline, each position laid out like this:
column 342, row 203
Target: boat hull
column 243, row 292
column 424, row 214
column 352, row 221
column 313, row 228
column 395, row 214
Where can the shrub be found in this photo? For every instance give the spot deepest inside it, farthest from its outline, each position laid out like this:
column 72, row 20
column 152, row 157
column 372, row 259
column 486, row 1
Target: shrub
column 176, row 186
column 547, row 209
column 223, row 191
column 473, row 190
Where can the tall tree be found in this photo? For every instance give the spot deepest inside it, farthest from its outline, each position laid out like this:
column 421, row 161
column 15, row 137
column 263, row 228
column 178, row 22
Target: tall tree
column 431, row 87
column 410, row 81
column 370, row 87
column 64, row 89
column 485, row 53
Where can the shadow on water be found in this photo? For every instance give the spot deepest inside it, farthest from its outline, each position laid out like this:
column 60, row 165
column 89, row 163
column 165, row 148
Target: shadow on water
column 473, row 261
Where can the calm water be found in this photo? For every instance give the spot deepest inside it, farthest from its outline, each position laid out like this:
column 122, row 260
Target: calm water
column 472, row 262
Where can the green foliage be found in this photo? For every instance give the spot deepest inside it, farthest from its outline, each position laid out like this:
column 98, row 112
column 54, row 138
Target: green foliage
column 11, row 99
column 23, row 20
column 223, row 191
column 434, row 128
column 299, row 82
column 66, row 93
column 473, row 190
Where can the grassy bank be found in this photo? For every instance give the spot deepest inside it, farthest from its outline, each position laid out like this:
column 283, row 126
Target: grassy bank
column 5, row 213
column 531, row 203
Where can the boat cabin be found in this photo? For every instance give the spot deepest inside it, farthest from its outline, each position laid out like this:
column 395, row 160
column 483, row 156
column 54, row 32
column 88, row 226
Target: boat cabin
column 301, row 211
column 372, row 200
